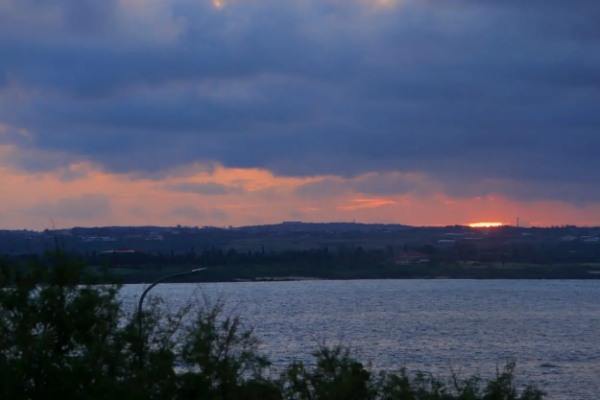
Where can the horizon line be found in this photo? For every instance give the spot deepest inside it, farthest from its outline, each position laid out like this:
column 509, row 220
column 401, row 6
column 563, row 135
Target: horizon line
column 228, row 227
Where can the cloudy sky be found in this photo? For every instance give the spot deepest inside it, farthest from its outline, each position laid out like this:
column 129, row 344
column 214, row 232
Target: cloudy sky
column 238, row 112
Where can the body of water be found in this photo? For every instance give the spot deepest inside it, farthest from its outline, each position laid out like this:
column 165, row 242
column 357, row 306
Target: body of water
column 550, row 328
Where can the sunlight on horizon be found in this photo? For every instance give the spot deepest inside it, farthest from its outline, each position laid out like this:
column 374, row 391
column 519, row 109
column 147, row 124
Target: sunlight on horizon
column 485, row 224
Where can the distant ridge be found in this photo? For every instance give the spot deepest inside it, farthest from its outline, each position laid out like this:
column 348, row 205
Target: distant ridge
column 283, row 226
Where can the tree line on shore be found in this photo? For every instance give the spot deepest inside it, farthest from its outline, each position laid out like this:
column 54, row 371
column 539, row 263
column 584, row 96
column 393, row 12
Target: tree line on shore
column 344, row 263
column 63, row 336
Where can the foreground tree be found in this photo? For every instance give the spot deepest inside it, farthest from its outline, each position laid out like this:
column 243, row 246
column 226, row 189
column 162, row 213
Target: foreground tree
column 57, row 337
column 221, row 360
column 334, row 376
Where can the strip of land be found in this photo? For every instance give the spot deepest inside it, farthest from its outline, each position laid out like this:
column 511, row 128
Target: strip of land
column 295, row 251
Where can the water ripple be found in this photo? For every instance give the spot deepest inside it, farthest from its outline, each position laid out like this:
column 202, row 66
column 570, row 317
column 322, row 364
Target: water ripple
column 549, row 327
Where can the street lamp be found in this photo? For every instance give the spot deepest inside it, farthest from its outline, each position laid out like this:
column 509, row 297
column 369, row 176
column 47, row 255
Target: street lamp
column 156, row 282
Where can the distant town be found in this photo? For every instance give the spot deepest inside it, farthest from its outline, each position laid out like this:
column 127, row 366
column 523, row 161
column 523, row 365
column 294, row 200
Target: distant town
column 296, row 250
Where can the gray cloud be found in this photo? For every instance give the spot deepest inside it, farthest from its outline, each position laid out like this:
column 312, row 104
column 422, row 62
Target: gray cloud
column 197, row 215
column 378, row 184
column 72, row 174
column 188, row 212
column 208, row 188
column 88, row 206
column 323, row 188
column 464, row 91
column 371, row 184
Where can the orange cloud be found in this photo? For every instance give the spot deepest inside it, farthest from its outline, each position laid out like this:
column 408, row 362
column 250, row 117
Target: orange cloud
column 361, row 203
column 237, row 196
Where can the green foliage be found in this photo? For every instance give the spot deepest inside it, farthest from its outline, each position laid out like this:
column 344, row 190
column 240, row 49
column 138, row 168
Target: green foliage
column 503, row 388
column 423, row 386
column 335, row 376
column 221, row 358
column 57, row 338
column 63, row 339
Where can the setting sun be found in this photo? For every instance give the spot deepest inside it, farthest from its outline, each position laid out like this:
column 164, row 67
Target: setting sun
column 485, row 224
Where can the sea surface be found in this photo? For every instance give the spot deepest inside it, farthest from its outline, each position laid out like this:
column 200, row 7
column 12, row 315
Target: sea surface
column 551, row 328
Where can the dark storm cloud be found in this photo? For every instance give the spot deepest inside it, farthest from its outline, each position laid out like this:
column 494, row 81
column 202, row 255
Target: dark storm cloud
column 465, row 91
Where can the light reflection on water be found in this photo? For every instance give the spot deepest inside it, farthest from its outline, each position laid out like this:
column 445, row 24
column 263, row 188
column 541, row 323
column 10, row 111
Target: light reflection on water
column 549, row 327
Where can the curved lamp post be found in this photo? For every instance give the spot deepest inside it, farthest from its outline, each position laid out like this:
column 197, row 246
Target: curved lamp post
column 156, row 282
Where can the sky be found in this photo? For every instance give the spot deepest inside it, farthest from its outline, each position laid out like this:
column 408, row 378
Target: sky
column 244, row 112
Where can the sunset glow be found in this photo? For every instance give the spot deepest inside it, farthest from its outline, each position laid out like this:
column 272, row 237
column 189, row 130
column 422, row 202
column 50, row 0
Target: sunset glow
column 485, row 224
column 241, row 112
column 218, row 3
